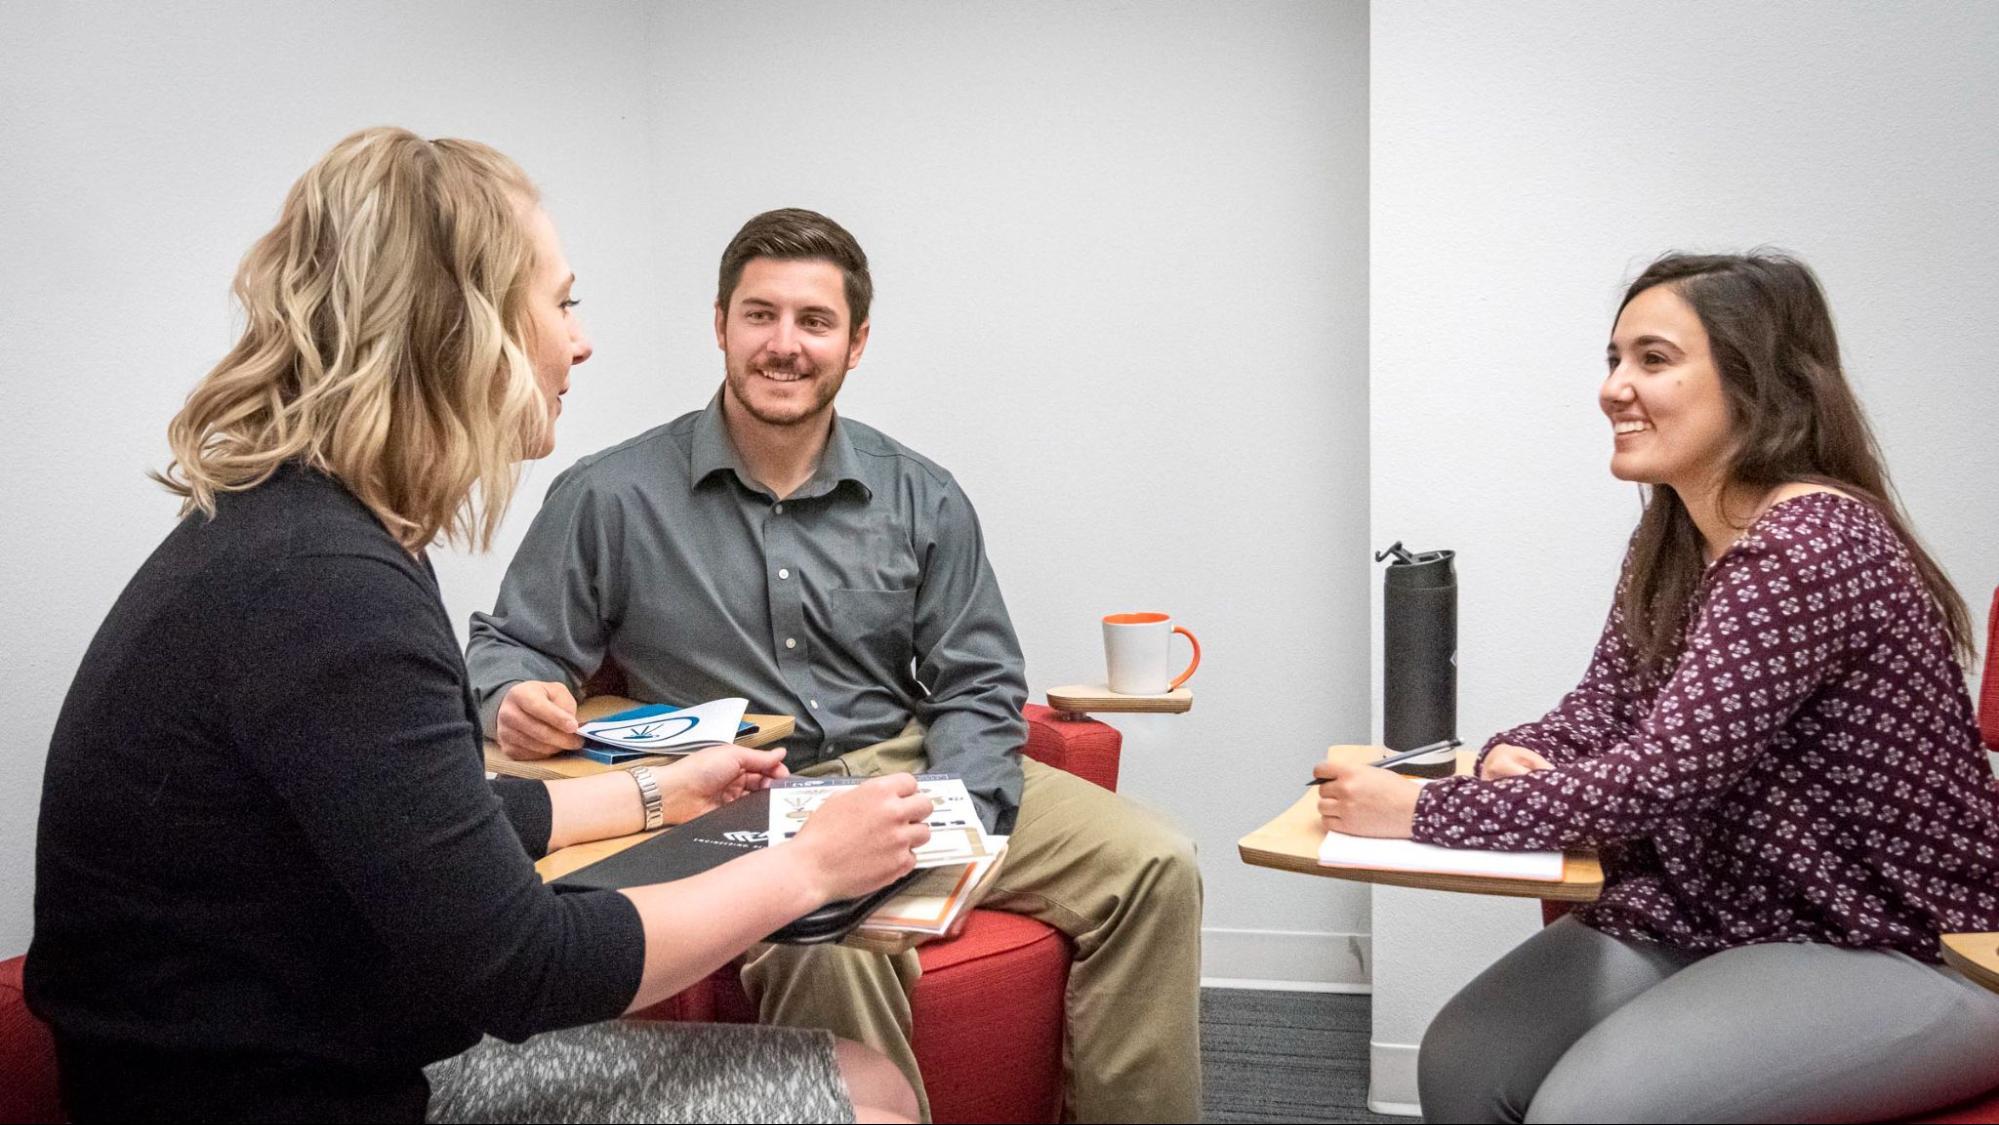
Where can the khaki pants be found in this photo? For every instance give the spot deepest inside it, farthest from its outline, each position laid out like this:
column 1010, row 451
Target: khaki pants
column 1118, row 880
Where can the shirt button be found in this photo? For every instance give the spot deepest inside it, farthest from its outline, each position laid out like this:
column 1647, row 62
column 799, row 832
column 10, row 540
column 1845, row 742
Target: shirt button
column 791, row 642
column 777, row 509
column 783, row 573
column 814, row 703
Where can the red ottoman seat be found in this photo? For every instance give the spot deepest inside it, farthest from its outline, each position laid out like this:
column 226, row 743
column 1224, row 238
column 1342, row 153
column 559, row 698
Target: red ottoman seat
column 27, row 1056
column 988, row 1010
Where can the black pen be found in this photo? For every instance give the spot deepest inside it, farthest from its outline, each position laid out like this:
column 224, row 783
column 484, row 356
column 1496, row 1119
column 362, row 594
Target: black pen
column 1403, row 756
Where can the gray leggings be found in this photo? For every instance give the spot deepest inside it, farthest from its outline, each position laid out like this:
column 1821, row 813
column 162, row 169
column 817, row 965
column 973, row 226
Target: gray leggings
column 1575, row 1025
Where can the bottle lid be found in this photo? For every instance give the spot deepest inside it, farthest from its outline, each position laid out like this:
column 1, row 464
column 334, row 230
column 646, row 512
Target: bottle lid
column 1417, row 570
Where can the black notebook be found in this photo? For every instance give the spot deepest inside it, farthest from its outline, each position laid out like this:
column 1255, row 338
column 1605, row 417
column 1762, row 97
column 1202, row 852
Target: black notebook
column 735, row 829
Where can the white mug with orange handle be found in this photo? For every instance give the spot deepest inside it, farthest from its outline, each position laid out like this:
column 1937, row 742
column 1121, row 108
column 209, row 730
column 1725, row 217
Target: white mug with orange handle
column 1138, row 653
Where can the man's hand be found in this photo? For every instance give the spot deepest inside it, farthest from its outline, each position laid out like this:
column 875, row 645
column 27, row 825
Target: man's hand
column 537, row 719
column 708, row 779
column 1508, row 760
column 1362, row 800
column 866, row 837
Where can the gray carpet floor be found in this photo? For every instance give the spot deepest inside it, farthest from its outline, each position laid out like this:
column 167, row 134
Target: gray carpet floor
column 1285, row 1056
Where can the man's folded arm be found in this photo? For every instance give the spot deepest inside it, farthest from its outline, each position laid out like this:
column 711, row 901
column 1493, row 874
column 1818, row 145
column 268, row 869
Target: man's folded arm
column 970, row 661
column 552, row 619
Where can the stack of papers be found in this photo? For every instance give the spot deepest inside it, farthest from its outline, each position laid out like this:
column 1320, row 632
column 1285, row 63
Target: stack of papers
column 958, row 861
column 934, row 902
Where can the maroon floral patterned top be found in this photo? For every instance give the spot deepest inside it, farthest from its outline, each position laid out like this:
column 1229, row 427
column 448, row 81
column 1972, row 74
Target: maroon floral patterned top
column 1807, row 769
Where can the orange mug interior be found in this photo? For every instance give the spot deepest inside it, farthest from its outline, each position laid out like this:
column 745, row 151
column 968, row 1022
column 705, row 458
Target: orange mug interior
column 1154, row 619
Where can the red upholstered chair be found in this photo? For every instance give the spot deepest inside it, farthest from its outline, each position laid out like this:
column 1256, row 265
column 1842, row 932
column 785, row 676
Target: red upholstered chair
column 27, row 1056
column 1985, row 1108
column 988, row 1010
column 1988, row 690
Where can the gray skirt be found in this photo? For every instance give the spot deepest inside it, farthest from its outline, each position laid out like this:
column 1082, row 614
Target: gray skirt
column 642, row 1070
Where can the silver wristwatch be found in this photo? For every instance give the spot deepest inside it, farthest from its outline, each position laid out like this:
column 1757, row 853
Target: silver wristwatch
column 649, row 794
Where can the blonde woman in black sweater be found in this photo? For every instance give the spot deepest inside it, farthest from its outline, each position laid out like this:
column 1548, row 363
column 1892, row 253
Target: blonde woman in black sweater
column 273, row 881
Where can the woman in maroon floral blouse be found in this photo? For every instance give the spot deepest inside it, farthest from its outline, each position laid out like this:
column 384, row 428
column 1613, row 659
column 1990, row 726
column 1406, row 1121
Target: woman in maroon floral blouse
column 1773, row 751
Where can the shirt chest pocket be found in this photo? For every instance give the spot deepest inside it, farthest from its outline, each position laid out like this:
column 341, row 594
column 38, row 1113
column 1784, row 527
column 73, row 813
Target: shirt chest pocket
column 886, row 617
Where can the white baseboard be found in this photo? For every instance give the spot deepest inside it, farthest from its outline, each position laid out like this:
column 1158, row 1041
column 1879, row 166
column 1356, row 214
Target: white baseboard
column 1391, row 1079
column 1285, row 959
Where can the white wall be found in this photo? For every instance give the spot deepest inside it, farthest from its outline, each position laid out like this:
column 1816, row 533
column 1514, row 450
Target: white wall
column 1119, row 254
column 147, row 147
column 1119, row 251
column 1120, row 257
column 1529, row 159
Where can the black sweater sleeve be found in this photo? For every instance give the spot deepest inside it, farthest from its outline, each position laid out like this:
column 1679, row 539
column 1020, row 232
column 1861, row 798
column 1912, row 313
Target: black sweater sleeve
column 527, row 808
column 348, row 700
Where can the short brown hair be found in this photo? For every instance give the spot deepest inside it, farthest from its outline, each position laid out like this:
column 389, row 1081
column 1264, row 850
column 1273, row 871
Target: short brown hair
column 794, row 234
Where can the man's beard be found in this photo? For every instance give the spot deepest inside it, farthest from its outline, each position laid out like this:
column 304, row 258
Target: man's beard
column 825, row 383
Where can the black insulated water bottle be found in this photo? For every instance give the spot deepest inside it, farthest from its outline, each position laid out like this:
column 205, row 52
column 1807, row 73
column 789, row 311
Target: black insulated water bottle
column 1419, row 646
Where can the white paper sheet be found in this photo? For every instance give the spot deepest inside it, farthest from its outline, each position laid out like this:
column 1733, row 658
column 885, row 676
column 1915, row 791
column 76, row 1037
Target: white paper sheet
column 660, row 730
column 956, row 834
column 1341, row 850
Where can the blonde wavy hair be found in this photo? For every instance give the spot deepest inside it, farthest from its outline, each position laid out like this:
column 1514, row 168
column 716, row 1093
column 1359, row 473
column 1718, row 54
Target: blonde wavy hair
column 385, row 344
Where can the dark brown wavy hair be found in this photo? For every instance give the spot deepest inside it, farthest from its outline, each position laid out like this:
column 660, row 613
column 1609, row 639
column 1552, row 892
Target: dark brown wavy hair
column 1793, row 416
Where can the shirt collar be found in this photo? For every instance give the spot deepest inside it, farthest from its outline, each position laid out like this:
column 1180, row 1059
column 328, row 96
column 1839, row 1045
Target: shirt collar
column 713, row 452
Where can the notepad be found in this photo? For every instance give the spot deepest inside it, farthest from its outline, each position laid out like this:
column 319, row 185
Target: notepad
column 662, row 729
column 1341, row 850
column 933, row 902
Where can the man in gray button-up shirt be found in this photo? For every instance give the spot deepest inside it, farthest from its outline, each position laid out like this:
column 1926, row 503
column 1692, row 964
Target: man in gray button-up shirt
column 666, row 555
column 768, row 548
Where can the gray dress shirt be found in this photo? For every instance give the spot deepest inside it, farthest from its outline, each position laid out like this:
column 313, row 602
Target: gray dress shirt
column 858, row 603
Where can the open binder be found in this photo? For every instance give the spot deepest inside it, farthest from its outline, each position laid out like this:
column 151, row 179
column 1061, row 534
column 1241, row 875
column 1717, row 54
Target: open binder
column 736, row 829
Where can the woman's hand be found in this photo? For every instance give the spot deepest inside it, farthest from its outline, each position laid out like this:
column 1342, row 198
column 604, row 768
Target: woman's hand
column 1361, row 800
column 865, row 837
column 1507, row 760
column 708, row 779
column 857, row 841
